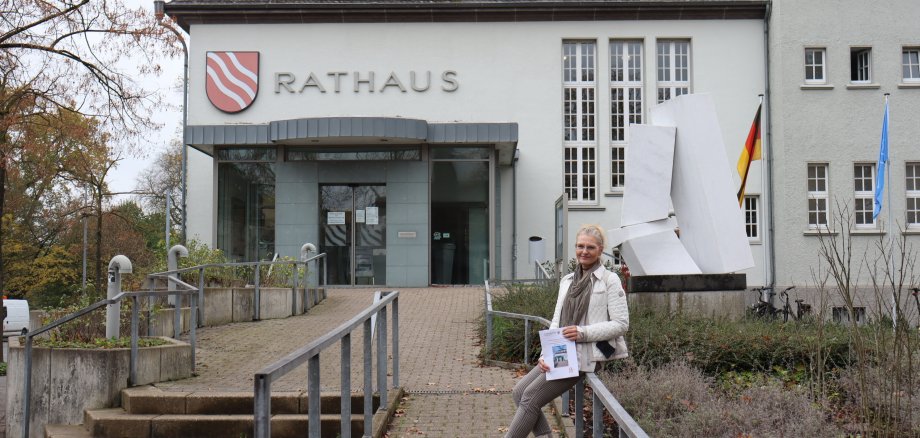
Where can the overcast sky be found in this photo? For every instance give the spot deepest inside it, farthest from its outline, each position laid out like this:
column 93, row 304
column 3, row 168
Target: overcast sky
column 169, row 84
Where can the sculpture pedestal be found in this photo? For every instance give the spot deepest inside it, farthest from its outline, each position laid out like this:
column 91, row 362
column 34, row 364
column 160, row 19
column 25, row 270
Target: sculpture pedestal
column 707, row 295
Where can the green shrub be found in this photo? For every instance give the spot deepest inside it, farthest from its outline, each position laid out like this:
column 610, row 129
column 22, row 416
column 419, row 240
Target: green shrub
column 90, row 326
column 508, row 334
column 717, row 346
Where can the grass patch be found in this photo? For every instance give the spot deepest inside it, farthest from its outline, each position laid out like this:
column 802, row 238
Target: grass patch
column 100, row 343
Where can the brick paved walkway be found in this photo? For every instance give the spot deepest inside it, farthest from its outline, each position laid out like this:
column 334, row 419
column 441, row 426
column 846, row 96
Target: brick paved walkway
column 450, row 395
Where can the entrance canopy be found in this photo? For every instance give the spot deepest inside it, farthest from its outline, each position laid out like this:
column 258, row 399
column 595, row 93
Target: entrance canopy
column 356, row 130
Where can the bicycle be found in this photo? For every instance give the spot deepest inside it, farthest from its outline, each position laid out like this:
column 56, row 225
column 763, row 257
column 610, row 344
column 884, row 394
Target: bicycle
column 764, row 307
column 801, row 309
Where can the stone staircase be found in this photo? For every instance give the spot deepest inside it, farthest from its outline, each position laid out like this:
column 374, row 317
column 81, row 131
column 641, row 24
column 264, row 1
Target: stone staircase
column 148, row 412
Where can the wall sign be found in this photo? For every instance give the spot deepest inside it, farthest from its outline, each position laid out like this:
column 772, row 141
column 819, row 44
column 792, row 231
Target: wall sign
column 361, row 82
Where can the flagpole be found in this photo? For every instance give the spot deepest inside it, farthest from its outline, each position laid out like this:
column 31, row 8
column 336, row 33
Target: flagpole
column 894, row 303
column 763, row 187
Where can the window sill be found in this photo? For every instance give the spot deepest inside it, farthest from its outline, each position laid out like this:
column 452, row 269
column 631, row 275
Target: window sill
column 586, row 208
column 755, row 241
column 863, row 86
column 819, row 233
column 867, row 232
column 909, row 85
column 614, row 194
column 912, row 232
column 816, row 87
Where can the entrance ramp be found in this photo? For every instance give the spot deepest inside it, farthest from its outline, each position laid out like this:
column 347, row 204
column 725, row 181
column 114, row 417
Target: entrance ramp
column 448, row 393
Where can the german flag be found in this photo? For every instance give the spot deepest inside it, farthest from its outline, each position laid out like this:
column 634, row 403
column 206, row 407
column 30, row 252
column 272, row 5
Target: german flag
column 750, row 152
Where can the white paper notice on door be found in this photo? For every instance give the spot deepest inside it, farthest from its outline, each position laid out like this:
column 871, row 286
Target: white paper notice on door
column 371, row 217
column 359, row 216
column 335, row 218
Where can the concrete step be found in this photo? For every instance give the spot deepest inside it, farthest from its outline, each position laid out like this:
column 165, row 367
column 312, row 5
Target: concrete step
column 152, row 400
column 116, row 423
column 64, row 431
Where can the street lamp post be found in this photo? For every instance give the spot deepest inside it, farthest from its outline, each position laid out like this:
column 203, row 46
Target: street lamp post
column 159, row 7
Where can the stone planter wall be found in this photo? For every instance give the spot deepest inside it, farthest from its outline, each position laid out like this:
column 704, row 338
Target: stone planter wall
column 227, row 305
column 67, row 381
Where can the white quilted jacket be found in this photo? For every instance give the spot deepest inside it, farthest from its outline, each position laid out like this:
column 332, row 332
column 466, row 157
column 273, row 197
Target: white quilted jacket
column 608, row 314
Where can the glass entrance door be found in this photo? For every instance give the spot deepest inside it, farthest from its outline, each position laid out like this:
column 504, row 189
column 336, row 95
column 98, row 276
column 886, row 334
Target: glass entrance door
column 353, row 233
column 459, row 216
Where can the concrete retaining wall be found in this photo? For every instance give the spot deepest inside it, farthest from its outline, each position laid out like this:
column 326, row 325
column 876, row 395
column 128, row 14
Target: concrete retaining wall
column 67, row 381
column 226, row 305
column 717, row 304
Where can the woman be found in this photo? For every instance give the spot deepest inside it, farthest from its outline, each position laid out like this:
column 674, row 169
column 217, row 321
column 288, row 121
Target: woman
column 591, row 309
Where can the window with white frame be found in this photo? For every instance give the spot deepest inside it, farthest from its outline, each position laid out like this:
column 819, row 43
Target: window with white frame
column 814, row 65
column 625, row 103
column 673, row 68
column 752, row 217
column 817, row 195
column 616, row 260
column 579, row 117
column 913, row 195
column 910, row 64
column 860, row 65
column 841, row 315
column 864, row 188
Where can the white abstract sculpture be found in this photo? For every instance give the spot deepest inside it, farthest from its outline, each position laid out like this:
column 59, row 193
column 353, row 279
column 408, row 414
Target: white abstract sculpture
column 680, row 160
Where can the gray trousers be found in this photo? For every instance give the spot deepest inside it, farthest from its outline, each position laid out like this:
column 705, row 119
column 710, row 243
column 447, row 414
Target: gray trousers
column 530, row 395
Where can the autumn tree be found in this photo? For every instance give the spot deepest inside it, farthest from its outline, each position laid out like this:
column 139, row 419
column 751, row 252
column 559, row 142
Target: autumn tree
column 68, row 56
column 89, row 168
column 162, row 177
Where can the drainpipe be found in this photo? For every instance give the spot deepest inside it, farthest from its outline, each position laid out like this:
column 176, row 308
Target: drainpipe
column 514, row 244
column 771, row 231
column 117, row 266
column 159, row 11
column 172, row 264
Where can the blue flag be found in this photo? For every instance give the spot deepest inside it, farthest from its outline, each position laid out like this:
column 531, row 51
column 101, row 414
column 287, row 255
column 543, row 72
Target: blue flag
column 882, row 161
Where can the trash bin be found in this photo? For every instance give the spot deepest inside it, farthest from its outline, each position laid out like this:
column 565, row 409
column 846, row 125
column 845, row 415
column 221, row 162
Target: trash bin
column 537, row 249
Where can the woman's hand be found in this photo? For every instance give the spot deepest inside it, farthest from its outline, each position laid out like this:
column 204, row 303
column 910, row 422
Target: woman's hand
column 570, row 333
column 543, row 366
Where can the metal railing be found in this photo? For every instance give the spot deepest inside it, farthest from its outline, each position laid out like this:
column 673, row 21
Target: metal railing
column 540, row 272
column 603, row 399
column 187, row 289
column 319, row 260
column 311, row 354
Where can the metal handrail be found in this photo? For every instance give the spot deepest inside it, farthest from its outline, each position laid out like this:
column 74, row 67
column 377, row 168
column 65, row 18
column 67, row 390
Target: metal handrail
column 540, row 271
column 132, row 376
column 311, row 352
column 626, row 425
column 257, row 295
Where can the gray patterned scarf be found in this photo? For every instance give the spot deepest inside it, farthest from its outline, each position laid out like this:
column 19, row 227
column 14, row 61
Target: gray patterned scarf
column 575, row 306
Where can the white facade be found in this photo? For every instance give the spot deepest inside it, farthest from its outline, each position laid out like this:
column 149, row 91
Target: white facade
column 831, row 119
column 502, row 72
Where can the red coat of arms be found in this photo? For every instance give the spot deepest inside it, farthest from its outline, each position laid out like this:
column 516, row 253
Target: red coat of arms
column 232, row 80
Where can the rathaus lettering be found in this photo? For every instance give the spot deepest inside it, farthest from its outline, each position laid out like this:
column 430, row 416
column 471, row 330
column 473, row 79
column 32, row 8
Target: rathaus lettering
column 336, row 81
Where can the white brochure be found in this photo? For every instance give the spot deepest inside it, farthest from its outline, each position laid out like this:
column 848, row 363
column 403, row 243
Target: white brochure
column 559, row 354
